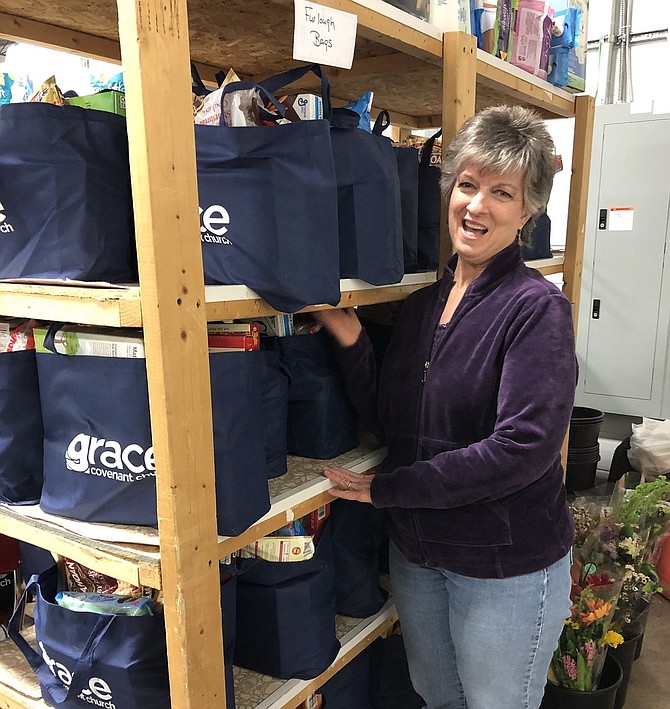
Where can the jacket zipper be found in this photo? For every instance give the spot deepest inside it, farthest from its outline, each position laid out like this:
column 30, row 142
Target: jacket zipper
column 424, row 377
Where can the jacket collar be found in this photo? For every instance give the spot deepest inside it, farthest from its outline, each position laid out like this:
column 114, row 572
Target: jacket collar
column 498, row 268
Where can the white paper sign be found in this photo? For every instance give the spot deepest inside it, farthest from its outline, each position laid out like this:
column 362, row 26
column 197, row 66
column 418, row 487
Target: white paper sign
column 324, row 35
column 621, row 218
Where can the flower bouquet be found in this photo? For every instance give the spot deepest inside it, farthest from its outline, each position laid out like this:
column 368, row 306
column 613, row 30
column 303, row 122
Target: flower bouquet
column 578, row 660
column 638, row 585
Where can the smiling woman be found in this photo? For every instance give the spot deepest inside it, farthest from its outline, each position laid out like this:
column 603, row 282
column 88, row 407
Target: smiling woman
column 473, row 400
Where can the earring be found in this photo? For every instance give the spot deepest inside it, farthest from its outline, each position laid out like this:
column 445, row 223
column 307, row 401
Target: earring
column 518, row 234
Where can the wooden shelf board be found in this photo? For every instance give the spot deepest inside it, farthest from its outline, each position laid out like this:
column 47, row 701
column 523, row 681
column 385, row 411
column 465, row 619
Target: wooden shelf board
column 547, row 266
column 19, row 687
column 384, row 32
column 139, row 565
column 256, row 691
column 501, row 82
column 228, row 302
column 301, row 490
column 112, row 307
column 121, row 307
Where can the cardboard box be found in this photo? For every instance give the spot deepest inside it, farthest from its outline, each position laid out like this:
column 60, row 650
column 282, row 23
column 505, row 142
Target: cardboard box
column 280, row 549
column 110, row 101
column 309, row 107
column 71, row 340
column 231, row 341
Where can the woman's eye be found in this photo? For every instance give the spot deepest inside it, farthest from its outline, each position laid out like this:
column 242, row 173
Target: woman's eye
column 465, row 185
column 505, row 194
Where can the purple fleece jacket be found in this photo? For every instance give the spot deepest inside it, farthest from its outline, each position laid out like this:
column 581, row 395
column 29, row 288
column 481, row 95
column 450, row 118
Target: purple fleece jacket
column 474, row 425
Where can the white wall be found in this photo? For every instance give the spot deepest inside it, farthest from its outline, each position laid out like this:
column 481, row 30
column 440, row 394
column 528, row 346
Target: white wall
column 650, row 64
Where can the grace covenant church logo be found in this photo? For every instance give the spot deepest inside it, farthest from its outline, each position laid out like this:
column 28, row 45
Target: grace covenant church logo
column 214, row 224
column 5, row 226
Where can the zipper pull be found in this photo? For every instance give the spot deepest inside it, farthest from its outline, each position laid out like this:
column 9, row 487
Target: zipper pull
column 426, row 364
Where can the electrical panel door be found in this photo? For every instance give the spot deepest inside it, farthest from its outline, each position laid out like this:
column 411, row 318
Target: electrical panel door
column 622, row 339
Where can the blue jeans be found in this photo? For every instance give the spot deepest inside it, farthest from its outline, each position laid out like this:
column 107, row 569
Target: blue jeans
column 479, row 643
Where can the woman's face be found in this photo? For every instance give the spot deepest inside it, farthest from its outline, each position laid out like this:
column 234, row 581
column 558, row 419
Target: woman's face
column 485, row 212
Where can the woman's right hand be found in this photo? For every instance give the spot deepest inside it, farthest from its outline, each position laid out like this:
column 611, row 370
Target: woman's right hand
column 342, row 323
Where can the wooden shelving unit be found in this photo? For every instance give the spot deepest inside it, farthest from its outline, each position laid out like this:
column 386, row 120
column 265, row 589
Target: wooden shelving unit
column 425, row 79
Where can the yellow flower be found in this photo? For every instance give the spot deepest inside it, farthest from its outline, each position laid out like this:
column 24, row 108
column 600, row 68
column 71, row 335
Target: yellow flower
column 612, row 638
column 597, row 609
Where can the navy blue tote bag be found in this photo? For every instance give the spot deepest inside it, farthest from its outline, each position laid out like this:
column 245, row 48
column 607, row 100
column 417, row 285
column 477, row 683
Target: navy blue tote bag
column 90, row 659
column 20, row 429
column 350, row 687
column 274, row 383
column 540, row 240
column 407, row 161
column 228, row 576
column 428, row 245
column 356, row 532
column 390, row 683
column 286, row 616
column 65, row 194
column 268, row 210
column 98, row 454
column 321, row 421
column 368, row 190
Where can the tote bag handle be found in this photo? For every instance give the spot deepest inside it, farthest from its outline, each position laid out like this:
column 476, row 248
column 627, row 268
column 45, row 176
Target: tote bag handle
column 382, row 122
column 428, row 149
column 197, row 86
column 50, row 338
column 278, row 81
column 241, row 85
column 56, row 692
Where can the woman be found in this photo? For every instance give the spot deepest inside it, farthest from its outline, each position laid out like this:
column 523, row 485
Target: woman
column 474, row 400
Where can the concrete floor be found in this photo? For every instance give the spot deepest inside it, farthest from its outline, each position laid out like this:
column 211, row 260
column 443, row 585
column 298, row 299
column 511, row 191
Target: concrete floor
column 649, row 686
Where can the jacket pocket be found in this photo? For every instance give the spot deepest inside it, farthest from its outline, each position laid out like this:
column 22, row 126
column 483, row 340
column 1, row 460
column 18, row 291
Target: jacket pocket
column 481, row 525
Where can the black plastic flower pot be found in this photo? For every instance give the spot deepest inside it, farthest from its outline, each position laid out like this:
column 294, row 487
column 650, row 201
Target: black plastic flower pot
column 625, row 654
column 601, row 698
column 580, row 475
column 584, row 427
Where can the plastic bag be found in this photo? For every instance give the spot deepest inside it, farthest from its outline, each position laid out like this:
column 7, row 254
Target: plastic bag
column 650, row 447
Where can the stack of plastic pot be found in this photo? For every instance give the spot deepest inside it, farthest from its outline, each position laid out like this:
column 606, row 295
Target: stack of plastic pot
column 583, row 448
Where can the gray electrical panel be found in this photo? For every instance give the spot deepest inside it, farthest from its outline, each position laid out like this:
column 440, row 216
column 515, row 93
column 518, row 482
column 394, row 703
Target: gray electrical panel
column 624, row 312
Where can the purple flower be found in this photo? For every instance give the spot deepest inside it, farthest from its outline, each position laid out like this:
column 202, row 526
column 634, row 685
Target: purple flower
column 570, row 665
column 589, row 652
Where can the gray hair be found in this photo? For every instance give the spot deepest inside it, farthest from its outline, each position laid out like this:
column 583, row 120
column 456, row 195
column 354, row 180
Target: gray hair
column 504, row 139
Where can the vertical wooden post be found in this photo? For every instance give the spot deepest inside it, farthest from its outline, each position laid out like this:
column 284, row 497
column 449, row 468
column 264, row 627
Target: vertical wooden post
column 459, row 82
column 579, row 189
column 155, row 53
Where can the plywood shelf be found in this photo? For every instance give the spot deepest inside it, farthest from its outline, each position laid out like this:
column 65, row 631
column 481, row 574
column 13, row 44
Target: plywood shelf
column 136, row 558
column 397, row 56
column 255, row 691
column 19, row 687
column 122, row 307
column 301, row 490
column 136, row 564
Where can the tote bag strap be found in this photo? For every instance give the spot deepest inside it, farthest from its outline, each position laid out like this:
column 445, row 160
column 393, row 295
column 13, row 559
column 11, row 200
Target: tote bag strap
column 50, row 337
column 382, row 122
column 56, row 692
column 241, row 85
column 428, row 149
column 198, row 88
column 278, row 81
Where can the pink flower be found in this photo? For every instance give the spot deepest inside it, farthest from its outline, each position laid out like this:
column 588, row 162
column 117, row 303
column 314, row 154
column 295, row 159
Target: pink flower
column 589, row 652
column 570, row 666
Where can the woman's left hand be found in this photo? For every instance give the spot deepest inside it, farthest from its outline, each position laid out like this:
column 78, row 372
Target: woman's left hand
column 350, row 486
